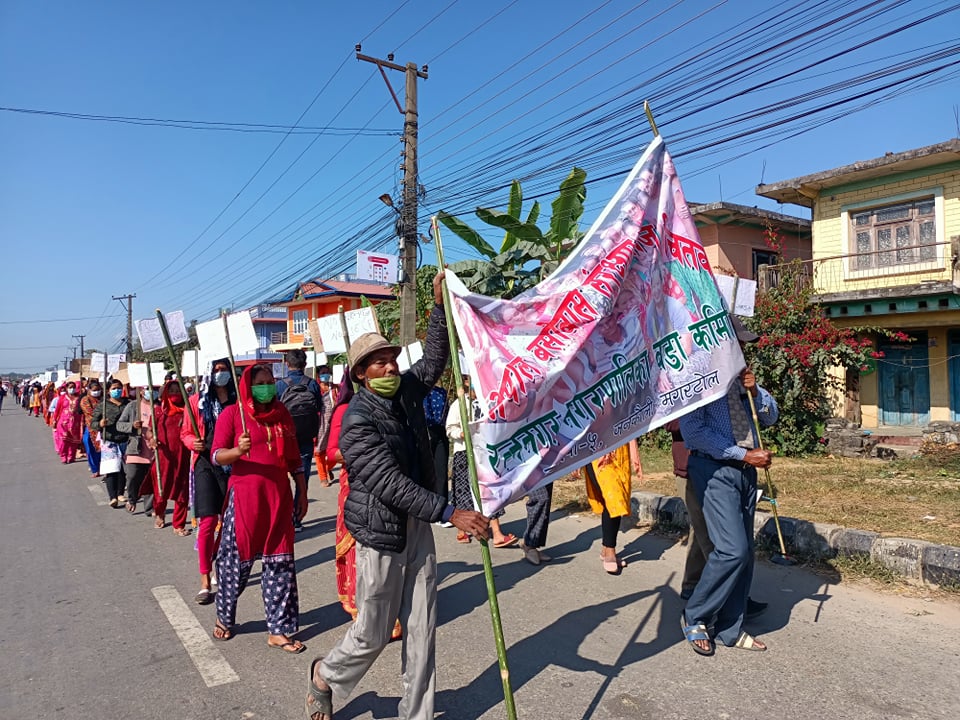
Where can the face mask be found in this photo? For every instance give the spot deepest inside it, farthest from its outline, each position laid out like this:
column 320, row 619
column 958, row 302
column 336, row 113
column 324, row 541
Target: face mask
column 95, row 393
column 221, row 378
column 71, row 391
column 147, row 395
column 116, row 393
column 177, row 400
column 385, row 386
column 264, row 393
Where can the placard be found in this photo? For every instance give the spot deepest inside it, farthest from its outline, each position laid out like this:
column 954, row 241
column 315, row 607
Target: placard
column 151, row 335
column 740, row 294
column 243, row 338
column 113, row 362
column 313, row 334
column 409, row 355
column 315, row 359
column 138, row 374
column 359, row 321
column 337, row 373
column 98, row 362
column 190, row 363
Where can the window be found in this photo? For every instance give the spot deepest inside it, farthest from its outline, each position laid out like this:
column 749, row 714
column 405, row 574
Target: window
column 300, row 320
column 893, row 235
column 764, row 257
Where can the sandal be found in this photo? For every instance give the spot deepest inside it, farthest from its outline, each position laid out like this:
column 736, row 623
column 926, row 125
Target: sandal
column 131, row 508
column 182, row 532
column 319, row 702
column 159, row 524
column 509, row 540
column 613, row 567
column 692, row 633
column 746, row 641
column 221, row 633
column 463, row 537
column 294, row 647
column 204, row 597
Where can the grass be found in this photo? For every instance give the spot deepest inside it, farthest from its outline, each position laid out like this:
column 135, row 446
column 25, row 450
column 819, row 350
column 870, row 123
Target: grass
column 915, row 498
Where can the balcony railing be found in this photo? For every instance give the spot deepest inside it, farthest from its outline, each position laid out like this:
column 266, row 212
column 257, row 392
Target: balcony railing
column 278, row 338
column 858, row 272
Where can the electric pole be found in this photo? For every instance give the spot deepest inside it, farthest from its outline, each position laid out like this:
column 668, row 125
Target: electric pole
column 129, row 306
column 408, row 212
column 80, row 338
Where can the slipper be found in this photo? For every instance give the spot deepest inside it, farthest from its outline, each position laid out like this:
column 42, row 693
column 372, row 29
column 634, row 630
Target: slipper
column 746, row 641
column 131, row 508
column 318, row 701
column 463, row 537
column 159, row 524
column 613, row 567
column 509, row 540
column 296, row 647
column 225, row 633
column 182, row 532
column 697, row 632
column 204, row 597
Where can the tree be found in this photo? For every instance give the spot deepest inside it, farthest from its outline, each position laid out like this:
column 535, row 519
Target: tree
column 797, row 349
column 527, row 254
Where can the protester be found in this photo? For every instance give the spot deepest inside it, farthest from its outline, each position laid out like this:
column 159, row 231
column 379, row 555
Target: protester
column 301, row 396
column 105, row 416
column 388, row 511
column 462, row 494
column 256, row 522
column 328, row 400
column 138, row 460
column 724, row 457
column 538, row 522
column 3, row 394
column 174, row 460
column 91, row 433
column 209, row 480
column 36, row 399
column 67, row 424
column 608, row 491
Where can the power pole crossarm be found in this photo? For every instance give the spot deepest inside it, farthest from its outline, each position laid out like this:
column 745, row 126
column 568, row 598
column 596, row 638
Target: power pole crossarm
column 80, row 338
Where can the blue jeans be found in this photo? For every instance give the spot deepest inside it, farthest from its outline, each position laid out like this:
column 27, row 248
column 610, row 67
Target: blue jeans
column 728, row 496
column 307, row 458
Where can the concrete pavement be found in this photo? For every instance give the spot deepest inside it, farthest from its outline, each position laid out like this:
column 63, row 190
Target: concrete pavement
column 87, row 629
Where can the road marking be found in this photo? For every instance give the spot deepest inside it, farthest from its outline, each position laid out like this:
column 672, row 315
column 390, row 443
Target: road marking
column 99, row 494
column 214, row 669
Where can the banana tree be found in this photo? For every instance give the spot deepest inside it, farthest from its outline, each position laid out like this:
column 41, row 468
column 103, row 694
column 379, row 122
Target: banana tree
column 527, row 254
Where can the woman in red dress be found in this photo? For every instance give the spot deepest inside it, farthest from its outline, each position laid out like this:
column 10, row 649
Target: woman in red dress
column 174, row 460
column 256, row 523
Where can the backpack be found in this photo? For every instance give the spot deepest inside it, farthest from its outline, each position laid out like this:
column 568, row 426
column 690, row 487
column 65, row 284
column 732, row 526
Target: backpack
column 302, row 405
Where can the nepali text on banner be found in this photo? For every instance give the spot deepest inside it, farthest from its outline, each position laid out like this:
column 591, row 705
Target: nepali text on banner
column 627, row 334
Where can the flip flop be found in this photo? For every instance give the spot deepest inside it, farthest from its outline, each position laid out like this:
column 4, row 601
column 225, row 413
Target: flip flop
column 509, row 540
column 613, row 567
column 318, row 701
column 697, row 632
column 297, row 647
column 204, row 597
column 182, row 532
column 463, row 538
column 225, row 633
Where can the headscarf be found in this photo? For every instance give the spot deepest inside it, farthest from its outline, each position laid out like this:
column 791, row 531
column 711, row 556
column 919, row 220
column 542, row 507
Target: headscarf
column 208, row 404
column 345, row 391
column 171, row 390
column 272, row 417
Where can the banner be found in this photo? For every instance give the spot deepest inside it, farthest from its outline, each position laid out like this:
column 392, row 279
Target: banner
column 628, row 333
column 213, row 341
column 151, row 336
column 359, row 321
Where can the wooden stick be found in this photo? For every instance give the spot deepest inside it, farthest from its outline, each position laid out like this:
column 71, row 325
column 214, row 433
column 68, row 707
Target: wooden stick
column 475, row 486
column 233, row 369
column 649, row 112
column 176, row 369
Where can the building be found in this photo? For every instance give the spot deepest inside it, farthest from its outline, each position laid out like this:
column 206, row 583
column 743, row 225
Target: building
column 268, row 320
column 886, row 235
column 320, row 298
column 735, row 237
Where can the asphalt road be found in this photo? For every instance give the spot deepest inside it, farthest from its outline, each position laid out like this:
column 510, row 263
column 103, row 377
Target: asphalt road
column 96, row 616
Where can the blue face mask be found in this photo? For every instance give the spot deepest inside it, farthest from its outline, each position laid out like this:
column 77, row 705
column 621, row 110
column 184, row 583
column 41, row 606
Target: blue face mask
column 116, row 393
column 221, row 378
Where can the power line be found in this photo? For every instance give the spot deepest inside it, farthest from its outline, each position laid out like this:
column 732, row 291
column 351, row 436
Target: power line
column 54, row 320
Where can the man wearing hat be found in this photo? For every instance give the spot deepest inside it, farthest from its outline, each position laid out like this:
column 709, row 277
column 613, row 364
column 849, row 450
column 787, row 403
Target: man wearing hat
column 722, row 470
column 389, row 511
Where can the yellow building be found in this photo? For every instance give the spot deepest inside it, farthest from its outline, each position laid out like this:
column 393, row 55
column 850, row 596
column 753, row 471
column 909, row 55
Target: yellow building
column 886, row 237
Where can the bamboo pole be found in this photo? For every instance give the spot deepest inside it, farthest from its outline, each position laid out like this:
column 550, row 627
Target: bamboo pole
column 649, row 112
column 475, row 486
column 176, row 369
column 233, row 369
column 153, row 425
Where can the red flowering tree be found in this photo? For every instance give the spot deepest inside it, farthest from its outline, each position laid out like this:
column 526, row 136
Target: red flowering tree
column 797, row 349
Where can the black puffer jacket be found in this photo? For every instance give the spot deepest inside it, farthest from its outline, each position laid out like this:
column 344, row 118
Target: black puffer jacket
column 387, row 455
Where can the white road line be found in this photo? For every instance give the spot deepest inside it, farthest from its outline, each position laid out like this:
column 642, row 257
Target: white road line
column 99, row 494
column 214, row 669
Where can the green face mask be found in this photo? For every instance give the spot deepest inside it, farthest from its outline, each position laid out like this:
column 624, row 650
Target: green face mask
column 385, row 386
column 264, row 393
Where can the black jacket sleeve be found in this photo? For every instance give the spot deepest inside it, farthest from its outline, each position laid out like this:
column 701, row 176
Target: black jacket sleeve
column 428, row 369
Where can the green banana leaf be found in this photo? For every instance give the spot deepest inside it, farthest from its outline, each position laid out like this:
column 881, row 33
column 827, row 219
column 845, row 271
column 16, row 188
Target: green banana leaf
column 466, row 233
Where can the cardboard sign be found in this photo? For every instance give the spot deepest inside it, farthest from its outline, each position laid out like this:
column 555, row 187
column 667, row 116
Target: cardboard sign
column 113, row 362
column 740, row 294
column 359, row 321
column 98, row 362
column 138, row 374
column 313, row 335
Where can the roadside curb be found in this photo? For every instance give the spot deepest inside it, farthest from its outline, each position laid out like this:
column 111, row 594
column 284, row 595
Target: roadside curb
column 914, row 559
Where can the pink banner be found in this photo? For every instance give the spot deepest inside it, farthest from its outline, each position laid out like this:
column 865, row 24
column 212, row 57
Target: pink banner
column 629, row 333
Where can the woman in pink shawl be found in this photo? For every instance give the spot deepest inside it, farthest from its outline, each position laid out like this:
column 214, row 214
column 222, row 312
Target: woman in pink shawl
column 67, row 424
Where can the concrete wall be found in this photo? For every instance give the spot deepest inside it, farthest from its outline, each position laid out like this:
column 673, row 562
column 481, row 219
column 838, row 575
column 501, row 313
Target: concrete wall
column 730, row 247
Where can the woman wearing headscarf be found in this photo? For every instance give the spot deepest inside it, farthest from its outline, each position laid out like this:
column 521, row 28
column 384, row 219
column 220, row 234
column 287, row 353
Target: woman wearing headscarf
column 52, row 417
column 46, row 398
column 174, row 459
column 68, row 423
column 209, row 482
column 91, row 434
column 256, row 522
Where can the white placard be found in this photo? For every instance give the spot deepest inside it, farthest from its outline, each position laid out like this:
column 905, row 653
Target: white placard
column 409, row 355
column 740, row 294
column 337, row 374
column 193, row 363
column 113, row 362
column 137, row 372
column 315, row 359
column 243, row 338
column 151, row 336
column 359, row 321
column 98, row 362
column 464, row 368
column 379, row 267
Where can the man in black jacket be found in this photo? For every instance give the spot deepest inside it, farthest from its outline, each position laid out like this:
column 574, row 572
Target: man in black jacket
column 389, row 511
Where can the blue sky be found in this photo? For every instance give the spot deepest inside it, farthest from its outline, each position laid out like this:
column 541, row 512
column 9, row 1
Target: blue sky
column 516, row 88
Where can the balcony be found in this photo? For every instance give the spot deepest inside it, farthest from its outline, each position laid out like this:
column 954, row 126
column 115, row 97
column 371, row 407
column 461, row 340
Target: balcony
column 278, row 338
column 899, row 272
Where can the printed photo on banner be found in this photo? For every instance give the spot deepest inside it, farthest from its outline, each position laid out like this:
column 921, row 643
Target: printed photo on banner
column 627, row 334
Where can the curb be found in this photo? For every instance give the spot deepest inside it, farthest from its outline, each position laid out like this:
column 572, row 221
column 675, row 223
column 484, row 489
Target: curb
column 914, row 559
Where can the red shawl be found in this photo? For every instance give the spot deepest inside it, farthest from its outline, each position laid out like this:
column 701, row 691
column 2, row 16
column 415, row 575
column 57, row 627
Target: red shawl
column 270, row 419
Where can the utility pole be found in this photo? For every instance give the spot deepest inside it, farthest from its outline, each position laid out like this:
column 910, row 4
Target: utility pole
column 80, row 338
column 408, row 213
column 129, row 306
